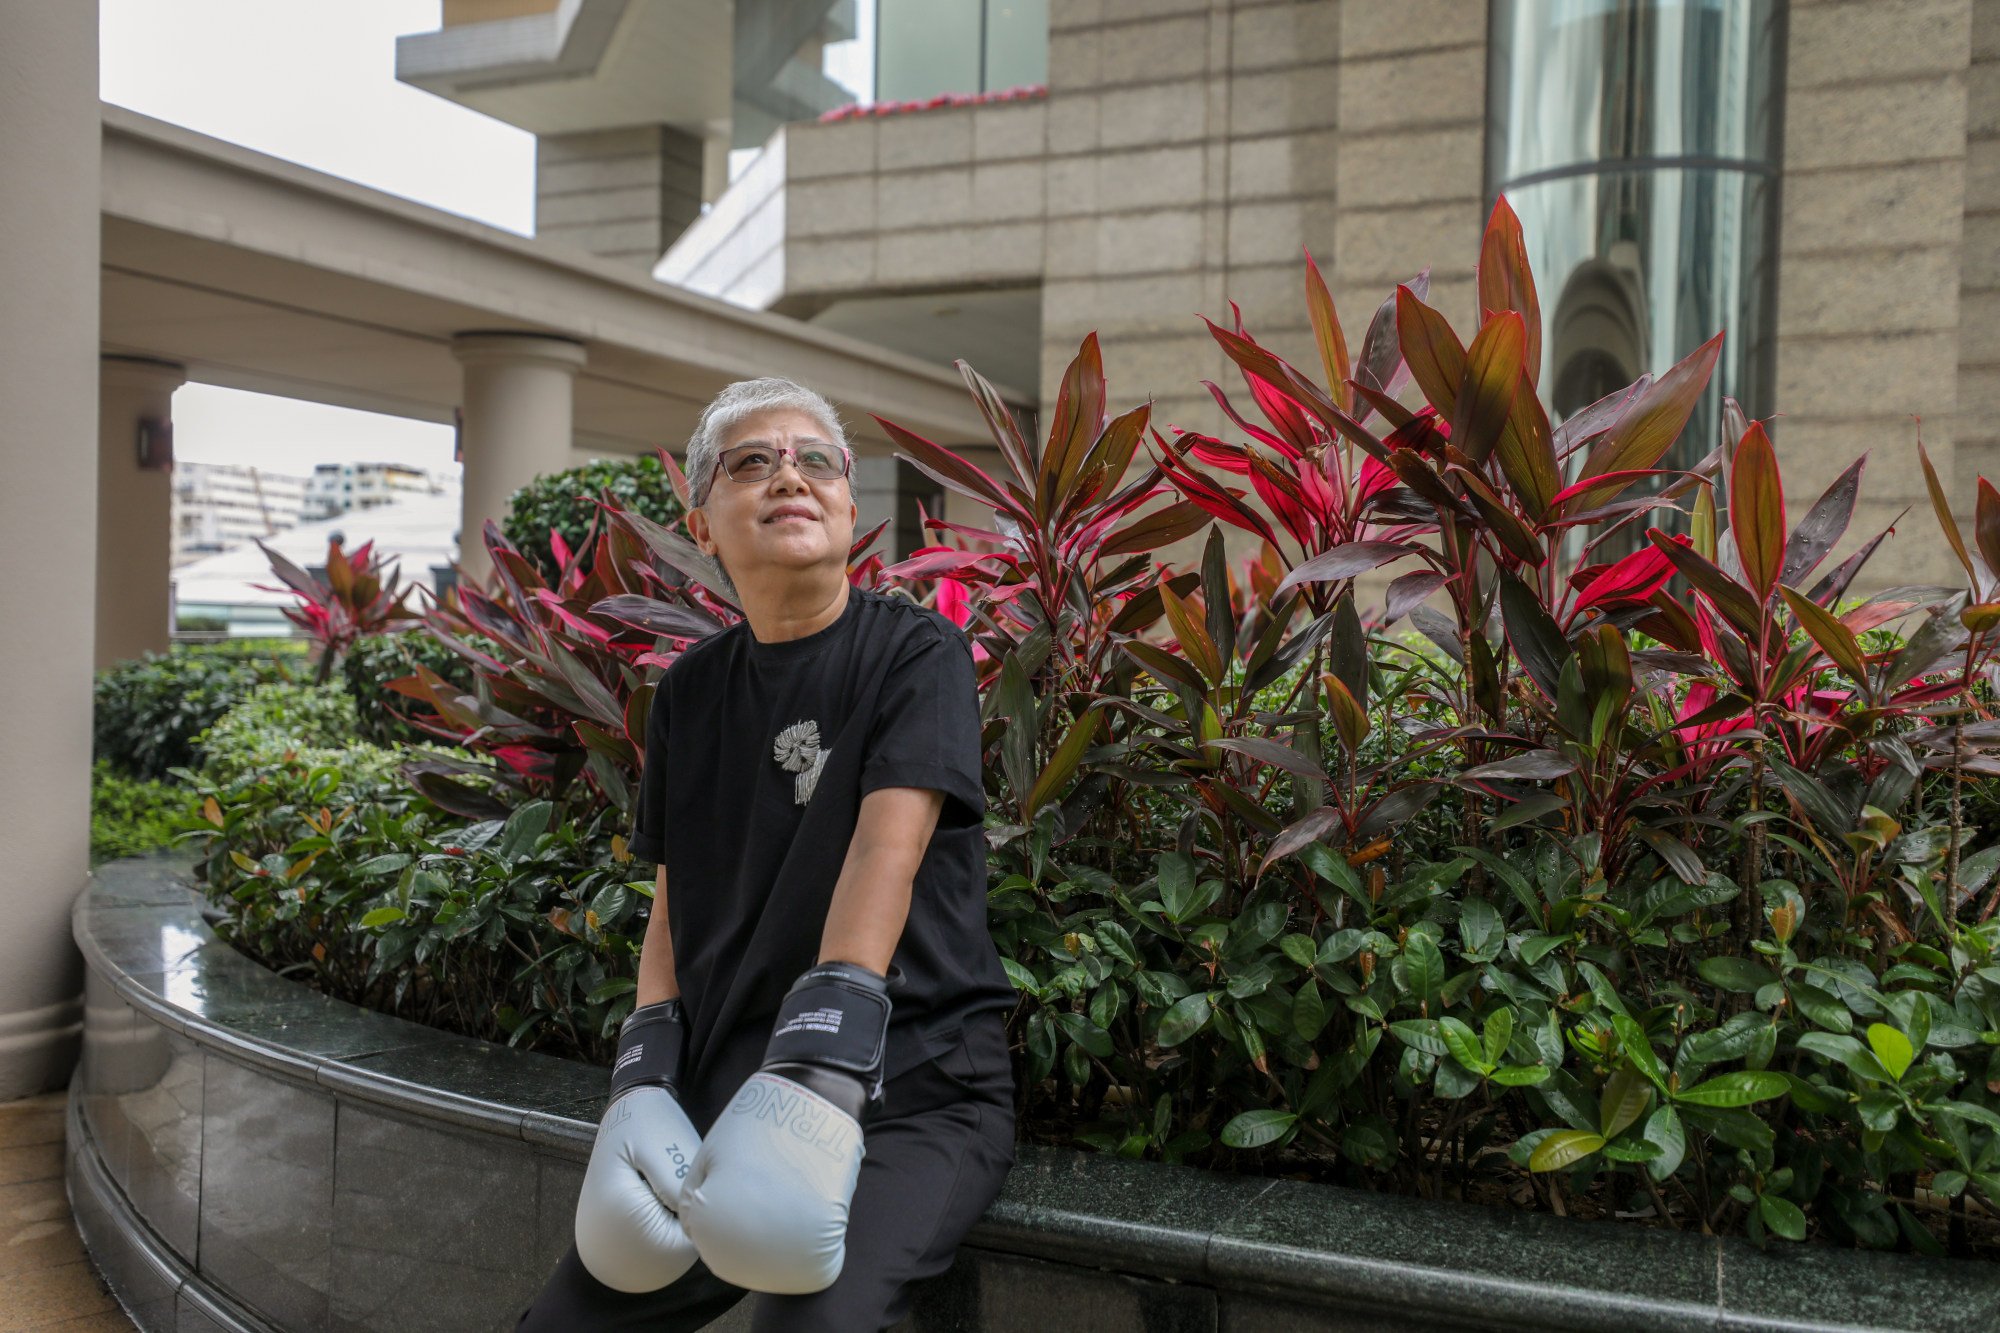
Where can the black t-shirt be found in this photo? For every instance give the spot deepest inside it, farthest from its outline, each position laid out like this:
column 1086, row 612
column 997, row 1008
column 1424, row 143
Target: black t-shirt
column 757, row 757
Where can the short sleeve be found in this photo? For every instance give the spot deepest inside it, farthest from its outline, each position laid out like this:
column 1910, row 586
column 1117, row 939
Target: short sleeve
column 926, row 731
column 646, row 839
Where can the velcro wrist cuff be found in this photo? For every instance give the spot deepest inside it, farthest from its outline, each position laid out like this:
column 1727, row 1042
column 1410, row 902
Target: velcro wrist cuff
column 650, row 1043
column 835, row 1016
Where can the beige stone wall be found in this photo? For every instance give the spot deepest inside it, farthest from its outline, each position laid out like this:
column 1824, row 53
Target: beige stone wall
column 1412, row 178
column 1873, row 253
column 624, row 194
column 924, row 201
column 934, row 200
column 1198, row 147
column 1979, row 267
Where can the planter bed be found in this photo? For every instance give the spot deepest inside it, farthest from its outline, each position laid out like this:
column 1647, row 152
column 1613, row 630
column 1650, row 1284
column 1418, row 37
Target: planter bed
column 246, row 1153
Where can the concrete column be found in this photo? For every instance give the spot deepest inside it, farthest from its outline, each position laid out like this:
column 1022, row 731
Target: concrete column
column 519, row 388
column 134, row 510
column 49, row 206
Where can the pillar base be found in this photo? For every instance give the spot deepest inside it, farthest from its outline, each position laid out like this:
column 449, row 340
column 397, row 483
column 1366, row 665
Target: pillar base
column 39, row 1048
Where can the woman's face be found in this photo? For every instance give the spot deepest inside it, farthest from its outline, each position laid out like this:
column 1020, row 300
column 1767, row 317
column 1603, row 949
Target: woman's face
column 784, row 522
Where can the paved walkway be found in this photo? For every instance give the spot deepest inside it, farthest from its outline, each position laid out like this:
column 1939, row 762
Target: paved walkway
column 47, row 1283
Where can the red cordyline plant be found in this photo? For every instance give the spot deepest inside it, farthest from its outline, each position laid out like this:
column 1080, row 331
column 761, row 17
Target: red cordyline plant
column 359, row 595
column 1963, row 747
column 1065, row 577
column 1472, row 484
column 1063, row 593
column 1059, row 596
column 1321, row 474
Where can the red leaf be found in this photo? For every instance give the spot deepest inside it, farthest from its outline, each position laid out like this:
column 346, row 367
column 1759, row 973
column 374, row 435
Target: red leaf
column 1408, row 591
column 1941, row 507
column 1326, row 332
column 1254, row 432
column 1833, row 638
column 1986, row 525
column 1506, row 283
column 1646, row 431
column 1345, row 561
column 1757, row 511
column 1078, row 420
column 1435, row 355
column 1583, row 488
column 1214, row 499
column 1727, row 595
column 1526, row 451
column 1162, row 527
column 934, row 561
column 1493, row 374
column 948, row 469
column 1633, row 579
column 1281, row 498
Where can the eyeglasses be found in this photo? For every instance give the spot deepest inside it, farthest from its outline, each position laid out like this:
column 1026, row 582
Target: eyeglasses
column 754, row 462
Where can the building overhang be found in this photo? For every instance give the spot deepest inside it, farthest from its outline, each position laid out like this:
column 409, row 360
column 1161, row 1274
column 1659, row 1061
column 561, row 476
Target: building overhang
column 584, row 65
column 259, row 274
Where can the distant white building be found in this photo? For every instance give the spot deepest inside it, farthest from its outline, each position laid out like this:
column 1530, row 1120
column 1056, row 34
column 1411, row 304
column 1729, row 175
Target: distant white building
column 339, row 488
column 220, row 505
column 420, row 533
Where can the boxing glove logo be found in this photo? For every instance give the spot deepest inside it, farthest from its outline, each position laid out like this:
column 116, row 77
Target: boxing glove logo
column 797, row 1112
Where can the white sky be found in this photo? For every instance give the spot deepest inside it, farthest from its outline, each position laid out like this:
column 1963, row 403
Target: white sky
column 312, row 82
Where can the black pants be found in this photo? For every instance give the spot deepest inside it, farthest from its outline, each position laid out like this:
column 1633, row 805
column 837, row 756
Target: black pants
column 937, row 1153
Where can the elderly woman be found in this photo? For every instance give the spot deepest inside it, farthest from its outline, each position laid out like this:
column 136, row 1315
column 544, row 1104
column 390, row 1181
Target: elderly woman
column 812, row 1099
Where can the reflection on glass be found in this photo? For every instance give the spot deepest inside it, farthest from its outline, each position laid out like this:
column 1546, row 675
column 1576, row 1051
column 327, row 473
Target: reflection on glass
column 1639, row 141
column 850, row 61
column 178, row 985
column 927, row 47
column 1587, row 81
column 1017, row 43
column 1638, row 268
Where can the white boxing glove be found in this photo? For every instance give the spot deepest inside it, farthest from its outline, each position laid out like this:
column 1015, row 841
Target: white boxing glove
column 766, row 1202
column 628, row 1233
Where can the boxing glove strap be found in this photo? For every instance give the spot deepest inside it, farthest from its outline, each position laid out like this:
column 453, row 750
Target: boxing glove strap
column 835, row 1017
column 650, row 1042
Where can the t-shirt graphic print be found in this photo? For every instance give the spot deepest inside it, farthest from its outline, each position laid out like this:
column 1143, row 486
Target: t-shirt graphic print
column 797, row 751
column 757, row 757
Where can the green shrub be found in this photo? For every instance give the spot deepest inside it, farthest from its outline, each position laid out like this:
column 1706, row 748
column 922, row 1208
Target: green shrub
column 272, row 719
column 377, row 659
column 567, row 502
column 148, row 711
column 525, row 930
column 131, row 816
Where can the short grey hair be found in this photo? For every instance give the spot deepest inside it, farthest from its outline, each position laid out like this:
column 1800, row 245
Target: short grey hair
column 741, row 400
column 726, row 411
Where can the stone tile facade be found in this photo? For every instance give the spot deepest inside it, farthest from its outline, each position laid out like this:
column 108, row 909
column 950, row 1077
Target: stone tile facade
column 1978, row 416
column 1878, row 268
column 1189, row 151
column 623, row 194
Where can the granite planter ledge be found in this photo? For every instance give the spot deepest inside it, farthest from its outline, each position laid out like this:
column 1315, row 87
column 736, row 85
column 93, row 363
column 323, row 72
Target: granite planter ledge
column 247, row 1154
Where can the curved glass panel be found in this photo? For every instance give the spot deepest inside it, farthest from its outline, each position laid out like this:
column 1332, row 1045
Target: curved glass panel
column 1572, row 82
column 1637, row 268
